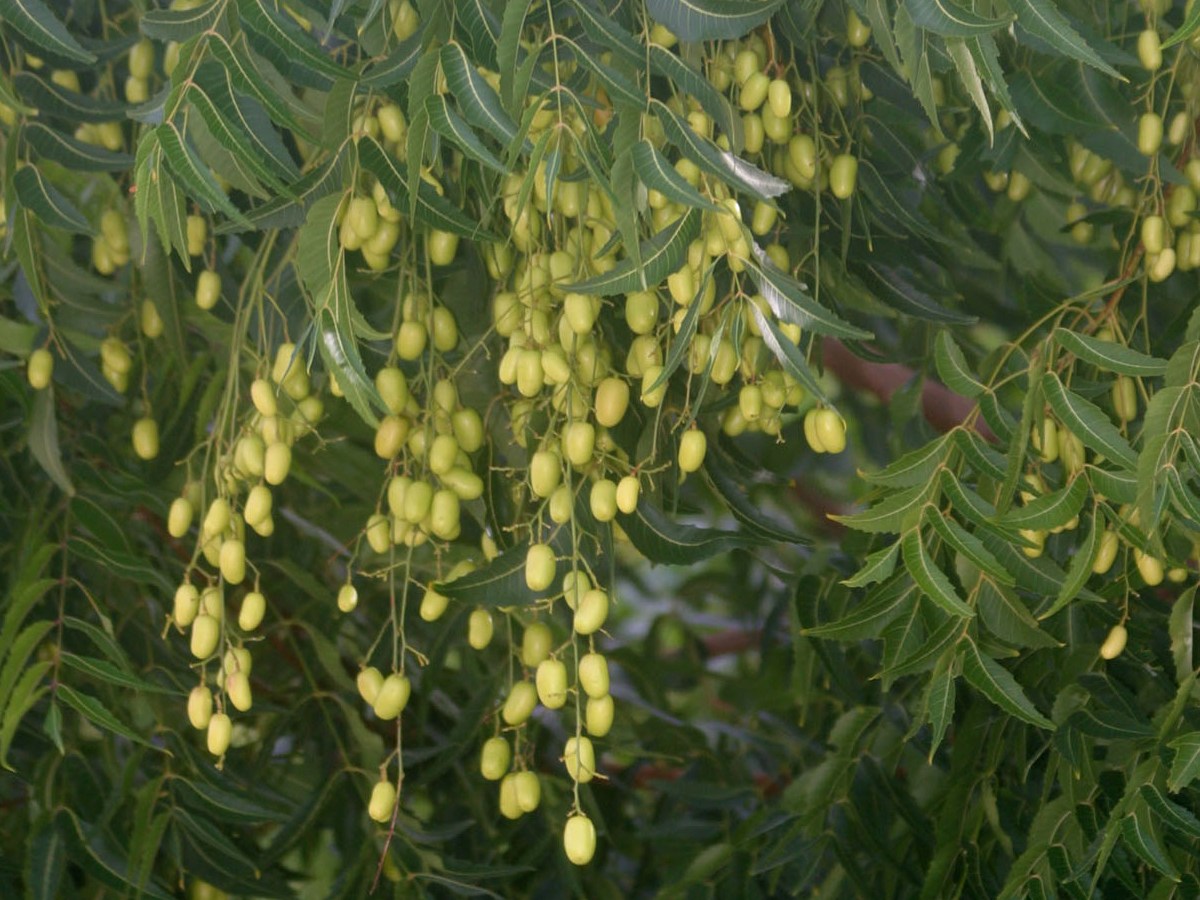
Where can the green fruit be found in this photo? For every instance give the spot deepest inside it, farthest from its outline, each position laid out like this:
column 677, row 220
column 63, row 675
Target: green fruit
column 579, row 839
column 1149, row 50
column 443, row 245
column 233, row 561
column 520, row 703
column 603, row 500
column 445, row 515
column 580, row 759
column 593, row 675
column 843, row 175
column 417, row 501
column 220, row 732
column 612, row 400
column 393, row 389
column 145, row 438
column 509, row 807
column 179, row 517
column 545, row 472
column 186, row 605
column 208, row 289
column 1149, row 133
column 598, row 715
column 831, row 431
column 535, row 644
column 754, row 91
column 347, row 598
column 40, row 368
column 237, row 687
column 383, row 801
column 480, row 628
column 628, row 491
column 433, row 605
column 254, row 607
column 369, row 681
column 468, row 429
column 1114, row 644
column 641, row 311
column 692, row 448
column 362, row 218
column 552, row 683
column 277, row 462
column 258, row 505
column 1106, row 555
column 578, row 443
column 591, row 612
column 206, row 632
column 495, row 758
column 540, row 567
column 200, row 707
column 528, row 791
column 392, row 696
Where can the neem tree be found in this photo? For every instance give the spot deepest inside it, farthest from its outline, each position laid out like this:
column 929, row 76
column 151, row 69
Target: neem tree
column 391, row 386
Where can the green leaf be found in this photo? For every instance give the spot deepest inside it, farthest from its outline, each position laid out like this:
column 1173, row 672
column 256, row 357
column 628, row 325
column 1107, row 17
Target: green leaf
column 1050, row 510
column 73, row 153
column 1180, row 630
column 619, row 87
column 499, row 583
column 398, row 64
column 948, row 19
column 95, row 854
column 791, row 302
column 878, row 566
column 455, row 129
column 45, row 862
column 1171, row 813
column 229, row 806
column 1043, row 20
column 102, row 670
column 1007, row 618
column 603, row 29
column 1140, row 833
column 997, row 684
column 290, row 44
column 508, row 48
column 968, row 74
column 869, row 618
column 788, row 354
column 479, row 103
column 1186, row 764
column 913, row 468
column 1189, row 27
column 682, row 339
column 663, row 540
column 1088, row 423
column 914, row 52
column 708, row 157
column 980, row 455
column 1110, row 355
column 20, row 698
column 939, row 701
column 43, row 440
column 34, row 21
column 339, row 349
column 44, row 200
column 180, row 24
column 987, row 62
column 432, row 209
column 969, row 546
column 193, row 175
column 51, row 99
column 661, row 255
column 96, row 713
column 659, row 175
column 933, row 581
column 239, row 62
column 256, row 137
column 692, row 84
column 710, row 20
column 1080, row 568
column 893, row 514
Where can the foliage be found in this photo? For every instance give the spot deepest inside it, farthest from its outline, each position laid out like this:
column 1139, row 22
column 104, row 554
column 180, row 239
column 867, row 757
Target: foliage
column 386, row 318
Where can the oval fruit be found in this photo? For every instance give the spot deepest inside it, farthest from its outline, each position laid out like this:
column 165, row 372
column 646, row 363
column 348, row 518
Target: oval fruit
column 200, row 707
column 579, row 441
column 254, row 607
column 843, row 175
column 494, row 759
column 208, row 289
column 40, row 368
column 1150, row 568
column 628, row 491
column 220, row 731
column 593, row 675
column 535, row 644
column 580, row 759
column 368, row 682
column 612, row 400
column 179, row 517
column 692, row 448
column 540, row 567
column 831, row 431
column 347, row 598
column 1107, row 553
column 603, row 500
column 392, row 697
column 383, row 801
column 579, row 839
column 528, row 790
column 237, row 687
column 1149, row 133
column 592, row 612
column 145, row 438
column 509, row 807
column 598, row 715
column 545, row 472
column 1149, row 50
column 206, row 632
column 433, row 605
column 186, row 606
column 1114, row 644
column 552, row 683
column 233, row 561
column 520, row 703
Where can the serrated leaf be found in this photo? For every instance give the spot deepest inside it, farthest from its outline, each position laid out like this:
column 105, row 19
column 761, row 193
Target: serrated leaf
column 33, row 20
column 1180, row 630
column 20, row 698
column 912, row 42
column 94, row 853
column 1043, row 20
column 1120, row 487
column 1139, row 831
column 74, row 153
column 45, row 862
column 660, row 255
column 239, row 63
column 709, row 20
column 43, row 441
column 432, row 209
column 232, row 807
column 480, row 28
column 102, row 670
column 869, row 618
column 499, row 583
column 1185, row 765
column 897, row 290
column 997, row 684
column 98, row 714
column 939, row 702
column 682, row 339
column 980, row 455
column 933, row 581
column 52, row 99
column 790, row 302
column 339, row 349
column 1169, row 812
column 968, row 75
column 694, row 85
column 1049, row 510
column 708, row 157
column 619, row 87
column 913, row 468
column 948, row 19
column 1088, row 423
column 877, row 566
column 290, row 44
column 45, row 201
column 658, row 174
column 272, row 160
column 479, row 103
column 734, row 492
column 1110, row 355
column 1080, row 568
column 1007, row 618
column 450, row 125
column 180, row 24
column 194, row 177
column 949, row 633
column 987, row 62
column 663, row 540
column 958, row 538
column 398, row 64
column 1189, row 27
column 893, row 514
column 1031, row 411
column 788, row 354
column 604, row 30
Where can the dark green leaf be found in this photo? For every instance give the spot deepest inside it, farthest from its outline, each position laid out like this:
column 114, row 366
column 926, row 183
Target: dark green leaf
column 933, row 581
column 398, row 64
column 1110, row 355
column 969, row 546
column 1140, row 833
column 997, row 684
column 1007, row 618
column 34, row 21
column 55, row 210
column 709, row 20
column 878, row 566
column 479, row 103
column 45, row 862
column 98, row 714
column 870, row 617
column 913, row 468
column 893, row 514
column 659, row 175
column 450, row 125
column 660, row 255
column 43, row 440
column 102, row 670
column 1171, row 813
column 1088, row 423
column 180, row 24
column 939, row 702
column 1186, row 764
column 52, row 99
column 663, row 540
column 74, row 153
column 1043, row 20
column 952, row 367
column 1079, row 569
column 193, row 175
column 1049, row 510
column 948, row 19
column 289, row 43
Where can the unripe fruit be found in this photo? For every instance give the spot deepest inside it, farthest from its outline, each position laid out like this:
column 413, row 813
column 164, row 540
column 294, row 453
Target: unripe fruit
column 1124, row 395
column 1153, row 234
column 433, row 605
column 208, row 289
column 579, row 839
column 445, row 516
column 258, row 505
column 468, row 429
column 1149, row 133
column 628, row 491
column 494, row 759
column 641, row 311
column 237, row 687
column 445, row 329
column 831, row 431
column 383, row 801
column 206, row 632
column 145, row 438
column 552, row 683
column 612, row 400
column 254, row 607
column 1161, row 266
column 466, row 484
column 392, row 696
column 561, row 504
column 393, row 388
column 574, row 585
column 40, row 368
column 1114, row 644
column 540, row 567
column 593, row 675
column 528, row 791
column 509, row 807
column 591, row 612
column 580, row 759
column 579, row 442
column 652, row 396
column 277, row 462
column 1150, row 568
column 519, row 705
column 545, row 472
column 754, row 91
column 843, row 175
column 1107, row 553
column 480, row 628
column 186, row 605
column 233, row 561
column 417, row 500
column 179, row 517
column 200, row 707
column 362, row 217
column 220, row 731
column 580, row 312
column 598, row 715
column 1149, row 50
column 692, row 448
column 603, row 500
column 779, row 96
column 410, row 340
column 857, row 31
column 369, row 681
column 535, row 644
column 442, row 245
column 347, row 598
column 390, row 436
